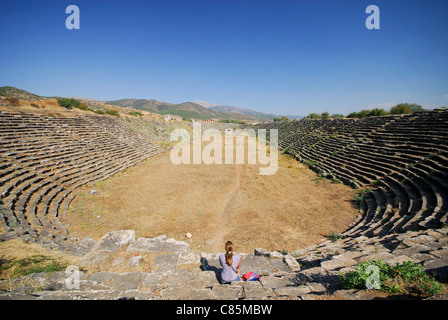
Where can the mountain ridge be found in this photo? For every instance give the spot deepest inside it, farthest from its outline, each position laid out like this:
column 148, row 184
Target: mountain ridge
column 198, row 109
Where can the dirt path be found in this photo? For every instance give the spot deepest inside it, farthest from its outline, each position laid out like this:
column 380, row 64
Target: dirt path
column 227, row 215
column 215, row 203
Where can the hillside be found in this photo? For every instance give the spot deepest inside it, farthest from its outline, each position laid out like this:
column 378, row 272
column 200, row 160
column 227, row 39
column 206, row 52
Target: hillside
column 21, row 94
column 243, row 112
column 186, row 110
column 150, row 105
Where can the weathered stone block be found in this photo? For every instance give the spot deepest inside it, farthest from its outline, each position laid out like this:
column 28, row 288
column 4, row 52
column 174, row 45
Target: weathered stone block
column 128, row 280
column 338, row 263
column 115, row 240
column 158, row 244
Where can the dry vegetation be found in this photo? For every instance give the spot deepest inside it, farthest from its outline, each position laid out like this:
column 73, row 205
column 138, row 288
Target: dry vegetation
column 18, row 258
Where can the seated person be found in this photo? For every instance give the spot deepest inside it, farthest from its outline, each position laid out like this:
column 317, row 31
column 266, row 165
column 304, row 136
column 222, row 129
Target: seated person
column 231, row 265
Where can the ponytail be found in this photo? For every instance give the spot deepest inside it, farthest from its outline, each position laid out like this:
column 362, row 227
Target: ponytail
column 229, row 253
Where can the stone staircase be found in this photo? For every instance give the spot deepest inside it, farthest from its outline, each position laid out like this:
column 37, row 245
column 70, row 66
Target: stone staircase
column 179, row 273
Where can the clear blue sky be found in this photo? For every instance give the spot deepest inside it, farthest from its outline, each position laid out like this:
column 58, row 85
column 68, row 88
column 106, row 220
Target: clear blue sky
column 275, row 56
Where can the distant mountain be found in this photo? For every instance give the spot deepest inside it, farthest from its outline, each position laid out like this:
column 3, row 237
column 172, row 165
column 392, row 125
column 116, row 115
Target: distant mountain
column 198, row 109
column 242, row 112
column 186, row 110
column 150, row 105
column 205, row 104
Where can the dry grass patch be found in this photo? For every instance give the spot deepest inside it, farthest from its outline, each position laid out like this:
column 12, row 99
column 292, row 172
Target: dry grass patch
column 18, row 258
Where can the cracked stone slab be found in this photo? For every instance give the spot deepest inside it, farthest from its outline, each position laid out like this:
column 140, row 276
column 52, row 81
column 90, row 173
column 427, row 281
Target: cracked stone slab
column 128, row 280
column 257, row 264
column 185, row 293
column 166, row 262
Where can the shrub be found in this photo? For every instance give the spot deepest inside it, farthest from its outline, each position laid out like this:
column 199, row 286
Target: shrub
column 135, row 113
column 407, row 278
column 309, row 163
column 99, row 111
column 68, row 103
column 112, row 112
column 83, row 106
column 360, row 196
column 401, row 108
column 335, row 236
column 13, row 101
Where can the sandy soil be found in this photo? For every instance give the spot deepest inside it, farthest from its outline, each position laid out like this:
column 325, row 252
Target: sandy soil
column 215, row 203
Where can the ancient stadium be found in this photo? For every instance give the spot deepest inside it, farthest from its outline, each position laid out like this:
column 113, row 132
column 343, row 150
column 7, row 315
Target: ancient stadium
column 97, row 195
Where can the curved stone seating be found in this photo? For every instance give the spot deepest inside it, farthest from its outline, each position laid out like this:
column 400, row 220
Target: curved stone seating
column 403, row 160
column 45, row 161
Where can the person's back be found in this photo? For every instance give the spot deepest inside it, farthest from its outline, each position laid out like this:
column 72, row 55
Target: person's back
column 231, row 265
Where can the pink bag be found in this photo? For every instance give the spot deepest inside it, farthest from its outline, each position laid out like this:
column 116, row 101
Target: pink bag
column 250, row 276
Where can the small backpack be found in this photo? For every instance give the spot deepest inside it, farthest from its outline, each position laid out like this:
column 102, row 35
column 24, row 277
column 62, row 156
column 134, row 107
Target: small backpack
column 251, row 276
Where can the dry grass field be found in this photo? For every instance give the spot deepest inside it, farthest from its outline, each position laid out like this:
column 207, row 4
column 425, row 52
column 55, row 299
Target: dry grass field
column 215, row 203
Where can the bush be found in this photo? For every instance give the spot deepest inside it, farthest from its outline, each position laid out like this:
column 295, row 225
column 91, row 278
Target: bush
column 13, row 101
column 401, row 108
column 360, row 196
column 135, row 113
column 83, row 106
column 112, row 112
column 335, row 236
column 68, row 103
column 407, row 278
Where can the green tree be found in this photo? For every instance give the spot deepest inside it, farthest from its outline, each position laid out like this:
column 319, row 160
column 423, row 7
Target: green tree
column 414, row 107
column 401, row 108
column 325, row 115
column 377, row 112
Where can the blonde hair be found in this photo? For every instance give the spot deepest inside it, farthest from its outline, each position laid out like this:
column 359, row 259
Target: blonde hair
column 229, row 253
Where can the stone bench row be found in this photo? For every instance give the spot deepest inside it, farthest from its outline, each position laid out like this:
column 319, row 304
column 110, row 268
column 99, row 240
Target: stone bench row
column 16, row 206
column 43, row 179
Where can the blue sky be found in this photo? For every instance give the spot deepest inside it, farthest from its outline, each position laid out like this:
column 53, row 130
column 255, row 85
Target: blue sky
column 277, row 56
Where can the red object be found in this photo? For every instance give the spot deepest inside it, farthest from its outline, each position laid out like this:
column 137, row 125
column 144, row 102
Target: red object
column 250, row 276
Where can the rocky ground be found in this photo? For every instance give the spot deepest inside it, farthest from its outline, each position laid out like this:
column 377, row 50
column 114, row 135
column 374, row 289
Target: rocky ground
column 177, row 272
